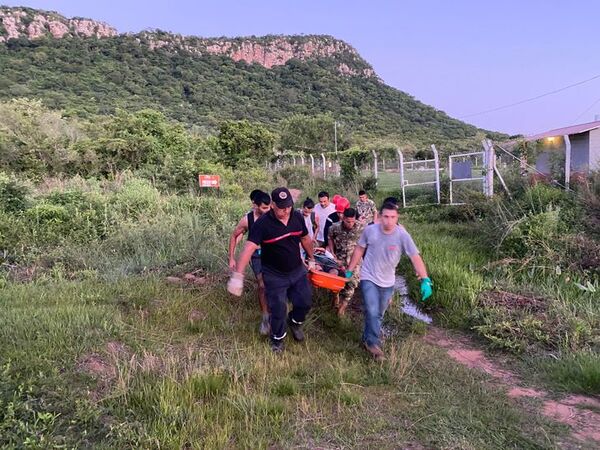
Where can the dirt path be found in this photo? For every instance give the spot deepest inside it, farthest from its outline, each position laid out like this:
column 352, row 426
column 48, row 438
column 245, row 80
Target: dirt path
column 581, row 413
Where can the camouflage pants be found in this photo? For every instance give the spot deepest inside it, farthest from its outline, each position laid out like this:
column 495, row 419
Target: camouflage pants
column 347, row 293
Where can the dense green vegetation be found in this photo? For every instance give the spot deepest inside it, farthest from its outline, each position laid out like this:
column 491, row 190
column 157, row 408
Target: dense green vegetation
column 99, row 351
column 89, row 77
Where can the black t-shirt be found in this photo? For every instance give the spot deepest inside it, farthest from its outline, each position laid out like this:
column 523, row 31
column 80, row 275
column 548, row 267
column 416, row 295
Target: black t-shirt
column 332, row 218
column 279, row 243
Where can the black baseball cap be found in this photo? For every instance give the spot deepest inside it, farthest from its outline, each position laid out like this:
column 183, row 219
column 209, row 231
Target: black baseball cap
column 282, row 197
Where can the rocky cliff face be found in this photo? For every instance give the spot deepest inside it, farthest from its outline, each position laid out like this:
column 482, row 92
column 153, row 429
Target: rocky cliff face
column 32, row 24
column 279, row 50
column 268, row 51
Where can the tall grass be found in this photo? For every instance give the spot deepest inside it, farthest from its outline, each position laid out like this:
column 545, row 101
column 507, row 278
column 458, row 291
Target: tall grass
column 185, row 367
column 216, row 384
column 454, row 258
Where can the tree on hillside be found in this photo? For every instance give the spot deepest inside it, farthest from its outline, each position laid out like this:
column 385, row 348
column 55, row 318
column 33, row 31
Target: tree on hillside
column 241, row 142
column 313, row 134
column 35, row 140
column 146, row 137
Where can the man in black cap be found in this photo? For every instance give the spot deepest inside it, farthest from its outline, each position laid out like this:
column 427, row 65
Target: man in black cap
column 278, row 234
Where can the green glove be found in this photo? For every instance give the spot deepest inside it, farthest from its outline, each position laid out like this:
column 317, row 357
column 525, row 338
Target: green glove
column 349, row 274
column 426, row 288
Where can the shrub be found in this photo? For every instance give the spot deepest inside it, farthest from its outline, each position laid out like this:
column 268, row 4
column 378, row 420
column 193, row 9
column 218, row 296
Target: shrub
column 533, row 234
column 589, row 197
column 135, row 197
column 296, row 177
column 14, row 195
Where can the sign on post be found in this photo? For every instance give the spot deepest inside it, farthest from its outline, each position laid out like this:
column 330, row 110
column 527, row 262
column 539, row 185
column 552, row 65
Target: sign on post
column 209, row 181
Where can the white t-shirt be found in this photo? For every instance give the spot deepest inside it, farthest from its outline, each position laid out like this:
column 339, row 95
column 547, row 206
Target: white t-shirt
column 322, row 214
column 309, row 225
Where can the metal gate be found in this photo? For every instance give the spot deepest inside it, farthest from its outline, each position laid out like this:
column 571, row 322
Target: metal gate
column 424, row 168
column 473, row 166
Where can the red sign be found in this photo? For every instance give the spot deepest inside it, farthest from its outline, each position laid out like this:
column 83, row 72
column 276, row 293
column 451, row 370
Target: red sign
column 209, row 181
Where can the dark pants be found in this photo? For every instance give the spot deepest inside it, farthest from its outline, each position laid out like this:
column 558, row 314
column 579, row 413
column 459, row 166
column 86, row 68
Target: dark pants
column 279, row 288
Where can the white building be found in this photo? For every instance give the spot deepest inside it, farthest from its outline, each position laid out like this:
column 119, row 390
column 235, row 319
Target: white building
column 578, row 146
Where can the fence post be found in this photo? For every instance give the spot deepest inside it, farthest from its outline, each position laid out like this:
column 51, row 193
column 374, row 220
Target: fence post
column 401, row 170
column 324, row 165
column 567, row 161
column 302, row 159
column 312, row 164
column 437, row 172
column 375, row 168
column 293, row 160
column 450, row 176
column 489, row 161
column 498, row 174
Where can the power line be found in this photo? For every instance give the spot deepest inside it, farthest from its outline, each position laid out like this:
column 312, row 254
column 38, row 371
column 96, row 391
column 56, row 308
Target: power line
column 588, row 108
column 510, row 105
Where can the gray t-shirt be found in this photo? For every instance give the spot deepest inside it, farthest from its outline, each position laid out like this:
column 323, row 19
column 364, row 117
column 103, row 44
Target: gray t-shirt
column 383, row 253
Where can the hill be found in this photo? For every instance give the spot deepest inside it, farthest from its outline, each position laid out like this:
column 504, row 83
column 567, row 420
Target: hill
column 86, row 68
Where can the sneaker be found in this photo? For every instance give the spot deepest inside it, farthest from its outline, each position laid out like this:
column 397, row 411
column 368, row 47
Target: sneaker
column 277, row 346
column 296, row 329
column 375, row 351
column 265, row 326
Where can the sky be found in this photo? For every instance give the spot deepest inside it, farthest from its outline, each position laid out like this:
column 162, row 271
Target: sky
column 462, row 57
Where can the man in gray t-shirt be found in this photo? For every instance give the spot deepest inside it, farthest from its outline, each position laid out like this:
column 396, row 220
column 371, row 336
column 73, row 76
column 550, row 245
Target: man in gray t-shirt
column 387, row 242
column 385, row 251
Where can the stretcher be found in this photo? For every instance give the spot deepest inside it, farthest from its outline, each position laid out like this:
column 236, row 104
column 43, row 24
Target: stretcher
column 323, row 276
column 326, row 280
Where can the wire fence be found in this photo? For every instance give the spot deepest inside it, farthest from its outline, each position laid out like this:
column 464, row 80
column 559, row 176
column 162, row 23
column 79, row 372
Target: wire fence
column 419, row 181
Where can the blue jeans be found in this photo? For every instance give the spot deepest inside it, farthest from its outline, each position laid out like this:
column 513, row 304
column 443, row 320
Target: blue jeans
column 375, row 301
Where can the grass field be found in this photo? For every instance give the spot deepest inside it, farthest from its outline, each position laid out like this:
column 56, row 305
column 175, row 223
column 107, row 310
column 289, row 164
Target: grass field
column 99, row 350
column 139, row 363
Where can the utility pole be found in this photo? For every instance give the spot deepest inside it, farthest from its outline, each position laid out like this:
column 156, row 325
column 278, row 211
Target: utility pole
column 335, row 135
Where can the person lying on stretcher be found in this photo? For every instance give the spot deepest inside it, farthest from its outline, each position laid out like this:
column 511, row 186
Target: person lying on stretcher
column 325, row 262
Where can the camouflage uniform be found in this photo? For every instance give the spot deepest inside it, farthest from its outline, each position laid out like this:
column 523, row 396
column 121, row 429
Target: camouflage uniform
column 366, row 211
column 344, row 242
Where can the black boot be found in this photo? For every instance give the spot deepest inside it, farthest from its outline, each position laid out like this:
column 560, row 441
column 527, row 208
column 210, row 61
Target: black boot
column 277, row 346
column 296, row 329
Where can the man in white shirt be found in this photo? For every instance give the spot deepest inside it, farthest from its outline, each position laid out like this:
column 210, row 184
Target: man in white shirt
column 322, row 211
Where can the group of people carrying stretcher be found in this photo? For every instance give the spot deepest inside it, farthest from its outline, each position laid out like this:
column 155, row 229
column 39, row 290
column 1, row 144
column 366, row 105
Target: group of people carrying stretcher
column 362, row 244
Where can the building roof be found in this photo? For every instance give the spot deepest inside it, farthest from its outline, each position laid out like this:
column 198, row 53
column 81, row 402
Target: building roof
column 573, row 129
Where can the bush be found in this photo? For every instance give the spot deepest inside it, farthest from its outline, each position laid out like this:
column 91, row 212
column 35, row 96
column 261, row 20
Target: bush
column 50, row 224
column 135, row 197
column 589, row 195
column 296, row 177
column 14, row 195
column 12, row 236
column 541, row 197
column 69, row 198
column 533, row 235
